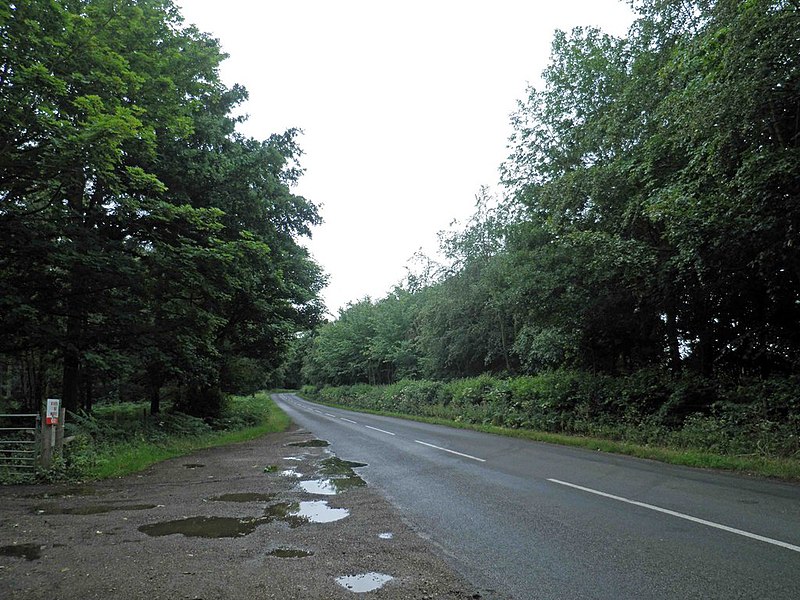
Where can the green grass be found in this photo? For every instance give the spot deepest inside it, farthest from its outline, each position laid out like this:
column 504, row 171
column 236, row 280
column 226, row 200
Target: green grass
column 782, row 468
column 133, row 456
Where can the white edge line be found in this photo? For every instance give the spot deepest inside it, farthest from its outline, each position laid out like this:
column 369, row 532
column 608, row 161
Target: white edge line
column 348, row 420
column 451, row 451
column 673, row 513
column 381, row 430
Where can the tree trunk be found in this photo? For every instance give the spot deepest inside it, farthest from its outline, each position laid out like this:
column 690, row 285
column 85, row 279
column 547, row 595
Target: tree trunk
column 70, row 382
column 155, row 398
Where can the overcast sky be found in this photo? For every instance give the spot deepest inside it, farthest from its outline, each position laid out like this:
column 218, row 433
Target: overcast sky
column 405, row 107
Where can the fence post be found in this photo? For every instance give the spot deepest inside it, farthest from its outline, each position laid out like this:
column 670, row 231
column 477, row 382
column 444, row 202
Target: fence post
column 59, row 446
column 47, row 445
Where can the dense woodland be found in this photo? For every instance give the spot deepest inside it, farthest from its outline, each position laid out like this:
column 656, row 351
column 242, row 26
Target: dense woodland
column 649, row 232
column 643, row 251
column 146, row 248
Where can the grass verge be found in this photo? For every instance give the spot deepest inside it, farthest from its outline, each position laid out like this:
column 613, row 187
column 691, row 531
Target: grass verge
column 131, row 456
column 780, row 468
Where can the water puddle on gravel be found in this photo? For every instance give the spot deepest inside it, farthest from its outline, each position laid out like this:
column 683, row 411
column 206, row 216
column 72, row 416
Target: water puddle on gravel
column 366, row 582
column 290, row 473
column 311, row 444
column 340, row 477
column 26, row 551
column 300, row 513
column 318, row 511
column 244, row 497
column 321, row 487
column 289, row 553
column 337, row 466
column 286, row 512
column 386, row 536
column 331, row 487
column 294, row 514
column 205, row 527
column 89, row 509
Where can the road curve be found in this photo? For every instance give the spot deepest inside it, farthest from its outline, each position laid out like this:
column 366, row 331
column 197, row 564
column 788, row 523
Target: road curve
column 527, row 520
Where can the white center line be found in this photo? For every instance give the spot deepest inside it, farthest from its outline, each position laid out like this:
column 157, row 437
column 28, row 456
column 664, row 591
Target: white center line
column 381, row 430
column 451, row 451
column 666, row 511
column 330, row 415
column 348, row 420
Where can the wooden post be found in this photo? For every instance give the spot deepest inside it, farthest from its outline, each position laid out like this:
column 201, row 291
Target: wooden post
column 59, row 441
column 47, row 446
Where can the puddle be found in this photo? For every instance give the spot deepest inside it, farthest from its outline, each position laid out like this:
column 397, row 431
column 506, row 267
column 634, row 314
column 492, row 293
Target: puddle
column 337, row 466
column 289, row 553
column 290, row 473
column 322, row 487
column 294, row 514
column 286, row 512
column 205, row 527
column 299, row 458
column 89, row 509
column 386, row 536
column 330, row 487
column 366, row 582
column 244, row 497
column 318, row 511
column 311, row 444
column 26, row 551
column 194, row 465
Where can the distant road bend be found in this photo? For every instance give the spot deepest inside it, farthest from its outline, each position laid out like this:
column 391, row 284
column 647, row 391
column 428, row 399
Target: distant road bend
column 527, row 520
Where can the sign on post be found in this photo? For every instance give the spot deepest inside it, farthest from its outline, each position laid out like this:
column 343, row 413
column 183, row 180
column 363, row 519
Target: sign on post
column 53, row 407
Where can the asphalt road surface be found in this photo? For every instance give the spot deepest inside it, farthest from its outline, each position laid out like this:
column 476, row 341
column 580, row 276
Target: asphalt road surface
column 527, row 520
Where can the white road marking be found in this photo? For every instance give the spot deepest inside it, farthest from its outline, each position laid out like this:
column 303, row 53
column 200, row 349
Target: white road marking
column 673, row 513
column 348, row 420
column 330, row 415
column 381, row 430
column 451, row 451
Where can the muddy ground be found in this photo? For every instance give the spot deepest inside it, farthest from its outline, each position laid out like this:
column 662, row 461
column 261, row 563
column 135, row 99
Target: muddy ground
column 232, row 522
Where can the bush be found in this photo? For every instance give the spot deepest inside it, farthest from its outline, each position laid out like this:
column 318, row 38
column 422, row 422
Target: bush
column 649, row 407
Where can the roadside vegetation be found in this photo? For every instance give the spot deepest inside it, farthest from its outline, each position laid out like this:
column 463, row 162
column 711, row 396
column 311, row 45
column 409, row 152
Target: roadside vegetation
column 638, row 280
column 123, row 438
column 599, row 413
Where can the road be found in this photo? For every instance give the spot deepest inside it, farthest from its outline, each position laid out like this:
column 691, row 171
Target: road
column 527, row 520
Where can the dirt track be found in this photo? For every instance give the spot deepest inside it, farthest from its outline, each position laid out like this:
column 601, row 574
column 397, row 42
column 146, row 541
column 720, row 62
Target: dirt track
column 85, row 541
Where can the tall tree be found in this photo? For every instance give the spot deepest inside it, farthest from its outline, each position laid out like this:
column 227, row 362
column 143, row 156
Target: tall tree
column 136, row 227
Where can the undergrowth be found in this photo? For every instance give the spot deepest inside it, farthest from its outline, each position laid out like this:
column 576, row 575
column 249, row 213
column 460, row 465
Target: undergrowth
column 118, row 439
column 753, row 428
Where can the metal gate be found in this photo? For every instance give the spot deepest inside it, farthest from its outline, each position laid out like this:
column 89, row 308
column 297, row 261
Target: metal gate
column 19, row 443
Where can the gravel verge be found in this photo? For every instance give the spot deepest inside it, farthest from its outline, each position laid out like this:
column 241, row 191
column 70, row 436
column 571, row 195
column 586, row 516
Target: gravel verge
column 111, row 538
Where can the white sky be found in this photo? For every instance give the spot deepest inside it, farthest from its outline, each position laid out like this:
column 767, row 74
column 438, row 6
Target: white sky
column 405, row 107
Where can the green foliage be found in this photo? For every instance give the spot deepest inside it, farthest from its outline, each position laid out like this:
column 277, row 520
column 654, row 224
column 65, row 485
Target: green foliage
column 123, row 438
column 643, row 268
column 646, row 408
column 143, row 242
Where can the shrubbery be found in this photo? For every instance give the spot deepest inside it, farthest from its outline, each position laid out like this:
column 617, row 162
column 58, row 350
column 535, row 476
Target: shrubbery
column 100, row 437
column 756, row 417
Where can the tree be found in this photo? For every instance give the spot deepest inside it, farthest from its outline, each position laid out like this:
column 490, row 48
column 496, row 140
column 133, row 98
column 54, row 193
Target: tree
column 139, row 233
